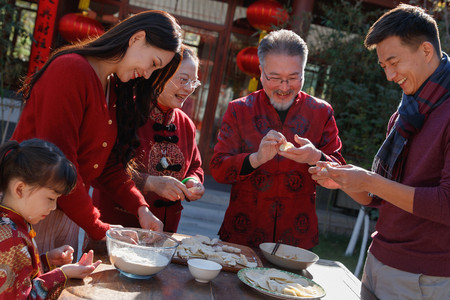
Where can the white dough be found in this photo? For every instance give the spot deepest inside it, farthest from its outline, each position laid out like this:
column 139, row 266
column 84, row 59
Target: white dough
column 285, row 146
column 138, row 261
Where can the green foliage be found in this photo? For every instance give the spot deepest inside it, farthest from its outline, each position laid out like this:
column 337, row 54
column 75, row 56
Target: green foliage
column 356, row 87
column 439, row 9
column 13, row 34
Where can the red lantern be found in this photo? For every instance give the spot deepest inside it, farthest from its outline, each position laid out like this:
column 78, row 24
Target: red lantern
column 263, row 14
column 248, row 62
column 74, row 27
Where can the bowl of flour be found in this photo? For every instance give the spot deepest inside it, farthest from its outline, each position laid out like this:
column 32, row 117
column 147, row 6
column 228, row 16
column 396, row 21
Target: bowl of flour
column 139, row 253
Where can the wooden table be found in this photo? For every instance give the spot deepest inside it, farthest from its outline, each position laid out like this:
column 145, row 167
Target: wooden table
column 175, row 282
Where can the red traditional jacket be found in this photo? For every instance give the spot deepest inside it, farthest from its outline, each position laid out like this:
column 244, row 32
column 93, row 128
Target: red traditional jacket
column 20, row 265
column 169, row 135
column 68, row 107
column 277, row 200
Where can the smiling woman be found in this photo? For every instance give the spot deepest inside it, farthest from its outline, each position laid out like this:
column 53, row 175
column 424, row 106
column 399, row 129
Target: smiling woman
column 103, row 94
column 169, row 163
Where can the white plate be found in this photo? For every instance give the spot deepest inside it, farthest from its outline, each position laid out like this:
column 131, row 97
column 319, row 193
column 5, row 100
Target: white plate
column 241, row 276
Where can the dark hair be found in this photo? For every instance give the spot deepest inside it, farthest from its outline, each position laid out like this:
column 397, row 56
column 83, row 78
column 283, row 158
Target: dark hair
column 410, row 23
column 282, row 42
column 38, row 163
column 133, row 97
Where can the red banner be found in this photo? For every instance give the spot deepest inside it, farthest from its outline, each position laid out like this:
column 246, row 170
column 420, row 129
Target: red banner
column 43, row 34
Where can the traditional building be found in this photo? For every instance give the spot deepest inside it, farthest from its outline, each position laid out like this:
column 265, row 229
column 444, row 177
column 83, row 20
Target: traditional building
column 218, row 30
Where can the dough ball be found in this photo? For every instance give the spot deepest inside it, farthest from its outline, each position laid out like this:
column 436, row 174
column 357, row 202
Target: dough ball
column 286, row 146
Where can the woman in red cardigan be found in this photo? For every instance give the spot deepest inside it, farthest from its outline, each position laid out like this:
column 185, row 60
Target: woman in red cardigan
column 168, row 159
column 89, row 99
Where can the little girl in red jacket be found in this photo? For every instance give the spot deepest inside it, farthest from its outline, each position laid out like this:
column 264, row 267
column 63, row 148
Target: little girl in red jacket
column 33, row 174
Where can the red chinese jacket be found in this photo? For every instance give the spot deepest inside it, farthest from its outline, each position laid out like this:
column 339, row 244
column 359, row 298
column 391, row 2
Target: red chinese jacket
column 20, row 264
column 171, row 135
column 277, row 200
column 67, row 107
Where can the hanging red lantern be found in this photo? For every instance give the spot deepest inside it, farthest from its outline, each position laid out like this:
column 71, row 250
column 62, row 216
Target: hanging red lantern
column 263, row 14
column 248, row 62
column 75, row 26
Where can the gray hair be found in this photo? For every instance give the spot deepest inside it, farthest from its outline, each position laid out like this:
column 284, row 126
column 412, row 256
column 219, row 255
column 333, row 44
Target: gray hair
column 284, row 42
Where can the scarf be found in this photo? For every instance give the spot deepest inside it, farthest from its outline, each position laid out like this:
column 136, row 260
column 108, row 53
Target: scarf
column 412, row 114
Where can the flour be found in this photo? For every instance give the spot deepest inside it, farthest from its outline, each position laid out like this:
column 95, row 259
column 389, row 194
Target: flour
column 138, row 261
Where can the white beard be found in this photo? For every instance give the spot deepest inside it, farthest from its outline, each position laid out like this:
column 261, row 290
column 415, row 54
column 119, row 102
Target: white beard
column 282, row 106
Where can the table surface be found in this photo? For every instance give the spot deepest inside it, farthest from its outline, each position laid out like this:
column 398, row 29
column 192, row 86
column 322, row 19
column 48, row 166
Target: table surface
column 175, row 282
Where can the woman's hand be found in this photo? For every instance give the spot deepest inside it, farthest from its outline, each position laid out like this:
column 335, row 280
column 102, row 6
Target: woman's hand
column 195, row 189
column 60, row 256
column 167, row 187
column 129, row 236
column 83, row 267
column 148, row 220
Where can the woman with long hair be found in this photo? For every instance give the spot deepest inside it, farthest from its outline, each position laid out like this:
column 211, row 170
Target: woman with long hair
column 89, row 99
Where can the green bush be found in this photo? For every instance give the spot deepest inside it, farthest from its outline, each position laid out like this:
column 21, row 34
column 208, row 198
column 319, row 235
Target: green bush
column 16, row 26
column 353, row 82
column 355, row 85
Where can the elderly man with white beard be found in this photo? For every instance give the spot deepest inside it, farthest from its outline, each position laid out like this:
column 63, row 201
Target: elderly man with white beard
column 273, row 195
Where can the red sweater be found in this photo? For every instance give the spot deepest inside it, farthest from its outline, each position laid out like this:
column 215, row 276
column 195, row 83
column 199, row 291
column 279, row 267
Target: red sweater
column 68, row 107
column 277, row 200
column 22, row 271
column 420, row 242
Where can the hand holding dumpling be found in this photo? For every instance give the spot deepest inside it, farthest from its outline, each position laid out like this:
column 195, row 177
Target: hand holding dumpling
column 306, row 153
column 195, row 188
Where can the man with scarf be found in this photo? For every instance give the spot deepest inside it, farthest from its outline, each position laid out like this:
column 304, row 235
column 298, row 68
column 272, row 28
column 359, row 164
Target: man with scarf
column 409, row 257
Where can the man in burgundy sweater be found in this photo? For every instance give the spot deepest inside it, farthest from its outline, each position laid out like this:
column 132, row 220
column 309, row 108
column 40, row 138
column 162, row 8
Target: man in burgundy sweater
column 409, row 257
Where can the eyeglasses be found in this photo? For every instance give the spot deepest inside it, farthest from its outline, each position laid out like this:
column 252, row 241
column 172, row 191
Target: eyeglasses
column 185, row 82
column 279, row 81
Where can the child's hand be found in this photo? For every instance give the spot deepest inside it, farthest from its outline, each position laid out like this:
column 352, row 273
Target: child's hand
column 60, row 256
column 83, row 267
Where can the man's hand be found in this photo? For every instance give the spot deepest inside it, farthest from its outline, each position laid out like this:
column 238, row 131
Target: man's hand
column 307, row 153
column 268, row 148
column 320, row 174
column 347, row 177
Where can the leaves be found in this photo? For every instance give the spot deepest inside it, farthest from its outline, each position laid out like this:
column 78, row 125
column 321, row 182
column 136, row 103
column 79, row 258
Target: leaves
column 362, row 98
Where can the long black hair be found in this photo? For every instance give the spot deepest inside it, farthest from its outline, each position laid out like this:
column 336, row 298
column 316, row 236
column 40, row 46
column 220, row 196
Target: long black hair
column 38, row 163
column 133, row 97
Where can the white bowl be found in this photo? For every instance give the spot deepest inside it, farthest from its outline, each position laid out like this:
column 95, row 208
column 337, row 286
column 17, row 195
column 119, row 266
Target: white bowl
column 141, row 260
column 289, row 257
column 203, row 270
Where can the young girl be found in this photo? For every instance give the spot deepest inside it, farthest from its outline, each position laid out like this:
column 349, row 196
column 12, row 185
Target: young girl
column 168, row 159
column 89, row 99
column 33, row 175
